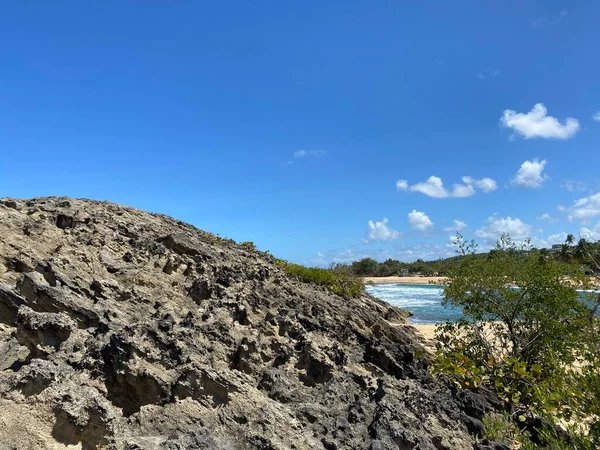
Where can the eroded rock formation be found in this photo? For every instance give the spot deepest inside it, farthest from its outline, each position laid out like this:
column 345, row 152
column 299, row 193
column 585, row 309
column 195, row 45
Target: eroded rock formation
column 129, row 330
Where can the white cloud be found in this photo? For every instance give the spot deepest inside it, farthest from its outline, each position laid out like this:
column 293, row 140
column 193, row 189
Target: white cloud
column 434, row 187
column 536, row 124
column 585, row 208
column 462, row 190
column 592, row 234
column 402, row 185
column 459, row 225
column 516, row 228
column 530, row 174
column 305, row 153
column 380, row 231
column 419, row 221
column 301, row 154
column 546, row 217
column 558, row 238
column 486, row 184
column 596, row 116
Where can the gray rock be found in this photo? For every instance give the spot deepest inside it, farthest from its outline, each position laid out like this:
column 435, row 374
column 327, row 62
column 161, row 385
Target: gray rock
column 129, row 330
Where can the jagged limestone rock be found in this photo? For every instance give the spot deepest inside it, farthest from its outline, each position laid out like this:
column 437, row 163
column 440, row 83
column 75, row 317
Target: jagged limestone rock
column 128, row 330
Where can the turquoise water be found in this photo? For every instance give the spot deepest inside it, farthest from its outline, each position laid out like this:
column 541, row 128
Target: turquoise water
column 424, row 301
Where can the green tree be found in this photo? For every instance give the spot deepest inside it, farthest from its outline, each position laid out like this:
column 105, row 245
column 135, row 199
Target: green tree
column 565, row 253
column 581, row 250
column 522, row 299
column 524, row 326
column 366, row 266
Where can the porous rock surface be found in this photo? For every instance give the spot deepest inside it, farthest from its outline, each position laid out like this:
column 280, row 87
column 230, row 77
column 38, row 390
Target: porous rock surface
column 129, row 330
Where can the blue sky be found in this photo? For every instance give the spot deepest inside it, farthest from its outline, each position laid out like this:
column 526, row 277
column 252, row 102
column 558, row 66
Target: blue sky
column 311, row 128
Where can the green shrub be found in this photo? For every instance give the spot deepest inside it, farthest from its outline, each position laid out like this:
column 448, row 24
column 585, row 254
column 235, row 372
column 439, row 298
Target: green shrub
column 532, row 310
column 504, row 429
column 248, row 245
column 338, row 282
column 525, row 327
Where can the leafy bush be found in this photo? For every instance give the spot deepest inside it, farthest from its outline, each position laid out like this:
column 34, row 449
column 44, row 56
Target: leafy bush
column 337, row 281
column 517, row 305
column 525, row 326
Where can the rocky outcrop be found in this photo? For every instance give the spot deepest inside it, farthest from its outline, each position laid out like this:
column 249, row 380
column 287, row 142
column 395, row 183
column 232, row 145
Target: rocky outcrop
column 129, row 330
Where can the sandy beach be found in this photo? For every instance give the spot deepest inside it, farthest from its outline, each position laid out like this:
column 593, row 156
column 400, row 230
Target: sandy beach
column 404, row 280
column 427, row 330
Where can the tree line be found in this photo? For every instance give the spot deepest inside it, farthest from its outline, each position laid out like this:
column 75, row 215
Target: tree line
column 572, row 251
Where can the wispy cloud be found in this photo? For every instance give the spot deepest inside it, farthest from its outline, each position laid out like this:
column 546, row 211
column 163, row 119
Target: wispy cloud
column 434, row 187
column 575, row 186
column 487, row 73
column 459, row 225
column 585, row 208
column 596, row 116
column 545, row 21
column 537, row 124
column 308, row 153
column 305, row 154
column 546, row 217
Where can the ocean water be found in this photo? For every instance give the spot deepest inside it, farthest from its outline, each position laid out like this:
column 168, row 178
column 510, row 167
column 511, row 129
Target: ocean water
column 424, row 301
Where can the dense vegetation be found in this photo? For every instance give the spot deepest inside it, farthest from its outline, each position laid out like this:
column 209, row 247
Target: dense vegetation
column 570, row 252
column 529, row 337
column 337, row 281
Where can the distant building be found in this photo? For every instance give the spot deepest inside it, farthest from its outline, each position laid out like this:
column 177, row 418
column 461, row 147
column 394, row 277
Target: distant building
column 555, row 249
column 404, row 273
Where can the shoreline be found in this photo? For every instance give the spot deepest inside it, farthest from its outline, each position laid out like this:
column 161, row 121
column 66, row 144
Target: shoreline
column 404, row 280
